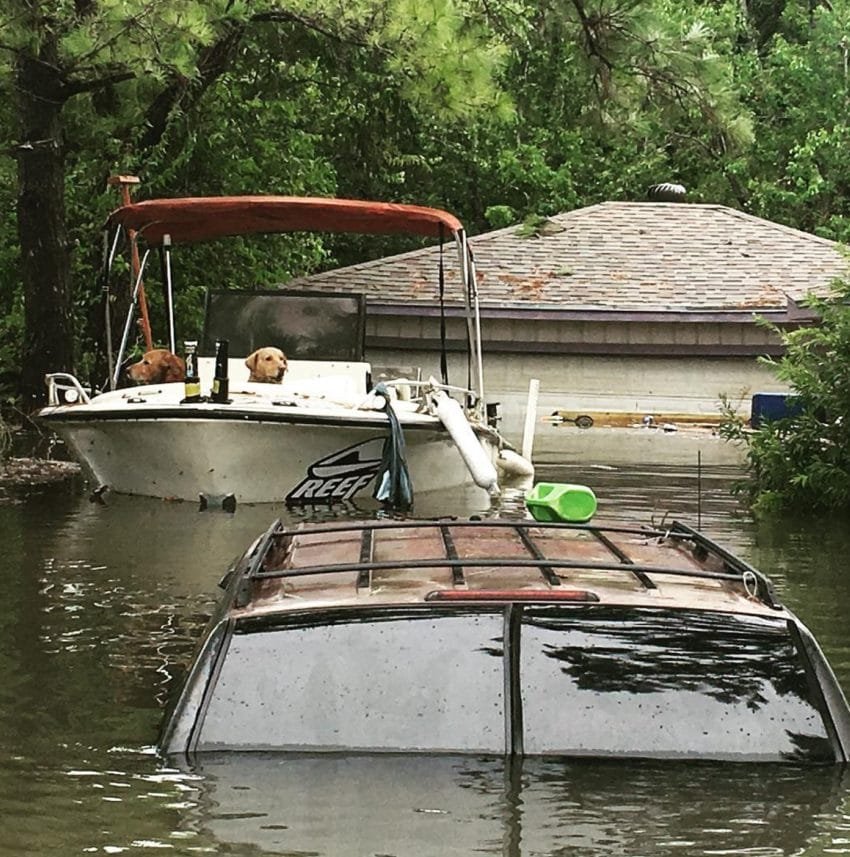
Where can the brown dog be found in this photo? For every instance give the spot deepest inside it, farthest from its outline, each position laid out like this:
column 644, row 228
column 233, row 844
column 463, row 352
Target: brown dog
column 267, row 365
column 159, row 366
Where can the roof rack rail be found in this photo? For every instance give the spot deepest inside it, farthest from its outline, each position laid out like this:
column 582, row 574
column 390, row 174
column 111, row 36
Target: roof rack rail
column 765, row 590
column 755, row 583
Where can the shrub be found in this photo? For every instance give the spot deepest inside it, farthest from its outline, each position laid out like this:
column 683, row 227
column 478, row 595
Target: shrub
column 802, row 462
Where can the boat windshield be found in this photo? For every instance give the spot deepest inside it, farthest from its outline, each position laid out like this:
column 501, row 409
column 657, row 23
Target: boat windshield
column 306, row 325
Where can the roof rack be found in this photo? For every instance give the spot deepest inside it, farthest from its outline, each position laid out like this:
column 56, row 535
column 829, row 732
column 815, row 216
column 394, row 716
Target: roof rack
column 755, row 583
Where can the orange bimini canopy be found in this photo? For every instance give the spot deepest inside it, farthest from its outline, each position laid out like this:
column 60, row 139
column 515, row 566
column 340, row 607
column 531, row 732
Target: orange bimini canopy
column 205, row 218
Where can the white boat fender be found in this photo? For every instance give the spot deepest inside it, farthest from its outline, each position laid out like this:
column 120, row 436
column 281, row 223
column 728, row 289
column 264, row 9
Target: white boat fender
column 514, row 465
column 480, row 466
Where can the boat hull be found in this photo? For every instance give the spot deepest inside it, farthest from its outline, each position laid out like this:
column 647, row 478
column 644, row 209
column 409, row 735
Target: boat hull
column 296, row 461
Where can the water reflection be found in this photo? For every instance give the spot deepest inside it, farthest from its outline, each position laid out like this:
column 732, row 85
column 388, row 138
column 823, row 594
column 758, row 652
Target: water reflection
column 730, row 660
column 664, row 686
column 337, row 805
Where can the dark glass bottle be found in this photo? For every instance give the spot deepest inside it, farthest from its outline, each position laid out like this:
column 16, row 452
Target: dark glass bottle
column 221, row 382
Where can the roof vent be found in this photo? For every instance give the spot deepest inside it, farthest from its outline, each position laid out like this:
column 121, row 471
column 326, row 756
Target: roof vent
column 666, row 192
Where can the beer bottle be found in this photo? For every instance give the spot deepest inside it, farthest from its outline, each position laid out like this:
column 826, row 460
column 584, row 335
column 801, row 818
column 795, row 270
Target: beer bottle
column 221, row 383
column 192, row 383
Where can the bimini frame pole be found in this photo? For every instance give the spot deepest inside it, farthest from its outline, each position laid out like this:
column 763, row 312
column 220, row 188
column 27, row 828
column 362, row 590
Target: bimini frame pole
column 108, row 258
column 470, row 292
column 479, row 357
column 169, row 292
column 130, row 312
column 124, row 183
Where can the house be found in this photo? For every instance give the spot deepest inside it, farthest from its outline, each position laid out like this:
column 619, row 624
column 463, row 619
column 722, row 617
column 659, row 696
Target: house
column 621, row 309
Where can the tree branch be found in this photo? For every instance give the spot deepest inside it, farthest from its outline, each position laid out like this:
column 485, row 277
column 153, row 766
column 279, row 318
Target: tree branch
column 591, row 37
column 213, row 61
column 74, row 87
column 279, row 15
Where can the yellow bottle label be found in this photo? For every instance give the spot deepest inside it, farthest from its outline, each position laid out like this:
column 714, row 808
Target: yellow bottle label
column 192, row 388
column 216, row 386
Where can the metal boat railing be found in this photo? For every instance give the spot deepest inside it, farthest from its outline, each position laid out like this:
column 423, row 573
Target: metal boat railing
column 64, row 389
column 431, row 384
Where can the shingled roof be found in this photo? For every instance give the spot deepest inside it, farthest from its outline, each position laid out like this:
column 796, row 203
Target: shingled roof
column 618, row 256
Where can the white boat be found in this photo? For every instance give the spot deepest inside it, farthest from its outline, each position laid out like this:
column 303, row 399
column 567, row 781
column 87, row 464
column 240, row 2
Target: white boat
column 320, row 435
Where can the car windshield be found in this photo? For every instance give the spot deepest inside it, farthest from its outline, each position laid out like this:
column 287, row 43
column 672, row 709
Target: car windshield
column 573, row 680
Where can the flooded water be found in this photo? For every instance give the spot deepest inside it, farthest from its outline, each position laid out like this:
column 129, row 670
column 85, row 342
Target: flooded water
column 102, row 606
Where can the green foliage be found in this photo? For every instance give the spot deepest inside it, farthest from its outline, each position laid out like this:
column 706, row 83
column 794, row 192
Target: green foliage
column 802, row 462
column 610, row 97
column 535, row 226
column 443, row 56
column 798, row 89
column 500, row 216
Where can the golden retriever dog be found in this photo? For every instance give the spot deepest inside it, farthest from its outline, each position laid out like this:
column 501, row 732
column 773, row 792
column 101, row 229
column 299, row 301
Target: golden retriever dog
column 267, row 365
column 159, row 366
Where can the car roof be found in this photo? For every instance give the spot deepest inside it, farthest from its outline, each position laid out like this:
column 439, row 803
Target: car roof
column 385, row 563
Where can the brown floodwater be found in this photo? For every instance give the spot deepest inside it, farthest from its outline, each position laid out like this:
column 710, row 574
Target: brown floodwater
column 101, row 607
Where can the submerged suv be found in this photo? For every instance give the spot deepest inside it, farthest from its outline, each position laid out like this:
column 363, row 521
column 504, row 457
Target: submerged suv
column 506, row 637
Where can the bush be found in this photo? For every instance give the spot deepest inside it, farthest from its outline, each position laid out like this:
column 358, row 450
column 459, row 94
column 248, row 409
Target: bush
column 802, row 462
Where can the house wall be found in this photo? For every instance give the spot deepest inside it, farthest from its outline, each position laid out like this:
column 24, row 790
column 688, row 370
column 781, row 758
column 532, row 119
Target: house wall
column 669, row 370
column 738, row 335
column 592, row 336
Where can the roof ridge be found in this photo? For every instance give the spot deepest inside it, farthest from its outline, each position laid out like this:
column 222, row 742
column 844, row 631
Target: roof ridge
column 716, row 206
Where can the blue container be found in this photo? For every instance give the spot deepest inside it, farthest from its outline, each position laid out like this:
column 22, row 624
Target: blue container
column 561, row 501
column 773, row 406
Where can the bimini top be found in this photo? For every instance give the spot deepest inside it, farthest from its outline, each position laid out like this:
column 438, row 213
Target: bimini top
column 204, row 218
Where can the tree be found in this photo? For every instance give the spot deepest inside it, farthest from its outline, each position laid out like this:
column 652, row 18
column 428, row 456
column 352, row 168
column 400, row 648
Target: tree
column 799, row 89
column 611, row 96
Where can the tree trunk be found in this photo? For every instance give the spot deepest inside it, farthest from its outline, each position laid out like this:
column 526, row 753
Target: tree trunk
column 45, row 257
